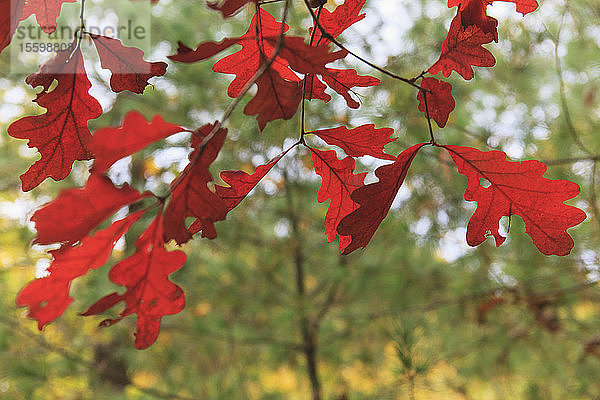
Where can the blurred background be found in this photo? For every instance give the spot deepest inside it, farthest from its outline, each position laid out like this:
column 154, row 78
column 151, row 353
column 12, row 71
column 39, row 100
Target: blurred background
column 416, row 315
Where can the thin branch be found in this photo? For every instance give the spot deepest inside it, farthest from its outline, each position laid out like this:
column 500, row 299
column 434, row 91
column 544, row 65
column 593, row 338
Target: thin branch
column 428, row 118
column 307, row 327
column 312, row 38
column 563, row 93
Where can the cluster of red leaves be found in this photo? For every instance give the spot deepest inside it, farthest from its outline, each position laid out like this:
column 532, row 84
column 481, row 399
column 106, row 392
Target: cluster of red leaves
column 286, row 71
column 61, row 135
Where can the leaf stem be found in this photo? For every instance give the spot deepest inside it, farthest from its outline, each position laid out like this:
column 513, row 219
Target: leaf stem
column 302, row 112
column 432, row 141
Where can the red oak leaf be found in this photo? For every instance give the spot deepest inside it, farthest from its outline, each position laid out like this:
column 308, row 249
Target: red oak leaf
column 304, row 58
column 517, row 188
column 474, row 13
column 279, row 90
column 375, row 200
column 462, row 49
column 75, row 212
column 336, row 22
column 247, row 61
column 338, row 183
column 344, row 80
column 439, row 102
column 111, row 144
column 129, row 70
column 149, row 294
column 294, row 54
column 361, row 141
column 241, row 183
column 61, row 134
column 10, row 14
column 48, row 297
column 46, row 12
column 275, row 98
column 191, row 196
column 229, row 7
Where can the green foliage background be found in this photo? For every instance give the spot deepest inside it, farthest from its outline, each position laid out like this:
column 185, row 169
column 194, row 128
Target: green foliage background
column 417, row 314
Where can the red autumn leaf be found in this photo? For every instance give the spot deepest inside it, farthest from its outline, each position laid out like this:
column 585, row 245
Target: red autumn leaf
column 344, row 80
column 361, row 141
column 294, row 54
column 439, row 102
column 191, row 196
column 111, row 144
column 375, row 200
column 75, row 212
column 61, row 134
column 48, row 297
column 46, row 12
column 462, row 49
column 241, row 183
column 338, row 183
column 10, row 14
column 275, row 98
column 279, row 91
column 149, row 294
column 129, row 70
column 306, row 59
column 247, row 61
column 229, row 7
column 517, row 188
column 474, row 13
column 340, row 19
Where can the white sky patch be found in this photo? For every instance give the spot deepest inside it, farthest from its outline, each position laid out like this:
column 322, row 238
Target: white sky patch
column 421, row 227
column 121, row 244
column 497, row 273
column 41, row 268
column 590, row 260
column 402, row 197
column 282, row 228
column 9, row 112
column 394, row 29
column 22, row 208
column 442, row 218
column 100, row 89
column 164, row 158
column 119, row 172
column 453, row 245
